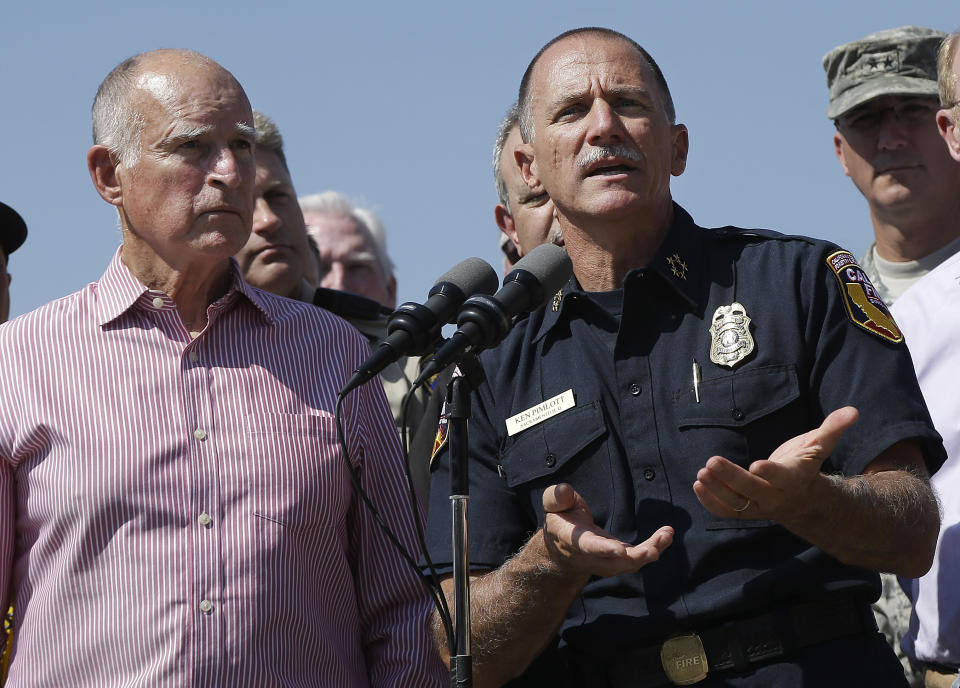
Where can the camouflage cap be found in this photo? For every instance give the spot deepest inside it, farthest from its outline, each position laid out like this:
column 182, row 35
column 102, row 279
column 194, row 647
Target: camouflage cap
column 899, row 62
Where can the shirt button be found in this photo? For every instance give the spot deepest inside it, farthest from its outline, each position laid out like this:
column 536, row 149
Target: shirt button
column 200, row 434
column 551, row 461
column 649, row 473
column 194, row 357
column 635, row 389
column 206, row 606
column 737, row 414
column 157, row 302
column 204, row 519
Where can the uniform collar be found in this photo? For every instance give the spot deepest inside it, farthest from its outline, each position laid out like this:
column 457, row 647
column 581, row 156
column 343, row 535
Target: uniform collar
column 118, row 291
column 678, row 262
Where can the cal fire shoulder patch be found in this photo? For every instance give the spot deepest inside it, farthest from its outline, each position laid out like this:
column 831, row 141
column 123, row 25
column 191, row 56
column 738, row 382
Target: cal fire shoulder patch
column 441, row 438
column 864, row 306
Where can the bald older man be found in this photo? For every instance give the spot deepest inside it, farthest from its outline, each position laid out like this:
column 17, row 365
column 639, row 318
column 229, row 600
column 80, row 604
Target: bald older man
column 174, row 507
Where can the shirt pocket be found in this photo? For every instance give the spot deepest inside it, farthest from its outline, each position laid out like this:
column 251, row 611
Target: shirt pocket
column 566, row 448
column 294, row 469
column 742, row 416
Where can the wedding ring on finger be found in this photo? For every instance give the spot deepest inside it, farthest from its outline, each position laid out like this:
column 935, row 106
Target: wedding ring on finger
column 745, row 506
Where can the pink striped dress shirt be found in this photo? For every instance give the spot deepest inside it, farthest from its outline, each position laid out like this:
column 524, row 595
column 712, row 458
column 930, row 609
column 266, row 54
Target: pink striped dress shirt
column 176, row 512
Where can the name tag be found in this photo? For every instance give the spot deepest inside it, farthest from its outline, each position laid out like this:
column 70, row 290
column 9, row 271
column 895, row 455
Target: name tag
column 540, row 412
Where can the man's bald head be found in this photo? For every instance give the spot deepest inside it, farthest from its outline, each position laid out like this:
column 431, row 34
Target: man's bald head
column 117, row 122
column 525, row 96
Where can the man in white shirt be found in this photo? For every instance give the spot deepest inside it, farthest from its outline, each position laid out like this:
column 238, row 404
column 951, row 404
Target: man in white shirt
column 930, row 320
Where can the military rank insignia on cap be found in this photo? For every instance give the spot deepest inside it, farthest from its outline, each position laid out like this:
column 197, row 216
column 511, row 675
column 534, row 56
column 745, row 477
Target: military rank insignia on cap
column 864, row 306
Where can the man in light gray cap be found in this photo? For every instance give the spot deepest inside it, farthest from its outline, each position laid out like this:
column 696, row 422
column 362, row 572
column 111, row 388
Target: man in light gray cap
column 883, row 100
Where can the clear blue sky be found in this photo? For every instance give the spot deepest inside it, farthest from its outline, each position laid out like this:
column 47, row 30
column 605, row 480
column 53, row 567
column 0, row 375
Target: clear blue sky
column 397, row 104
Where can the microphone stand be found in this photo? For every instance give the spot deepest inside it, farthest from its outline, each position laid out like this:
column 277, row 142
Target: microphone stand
column 458, row 412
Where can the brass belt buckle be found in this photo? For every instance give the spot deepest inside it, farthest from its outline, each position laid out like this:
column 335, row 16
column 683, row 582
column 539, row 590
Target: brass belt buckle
column 683, row 659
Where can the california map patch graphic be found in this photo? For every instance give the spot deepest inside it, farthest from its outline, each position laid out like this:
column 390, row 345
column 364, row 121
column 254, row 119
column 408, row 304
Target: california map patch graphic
column 864, row 306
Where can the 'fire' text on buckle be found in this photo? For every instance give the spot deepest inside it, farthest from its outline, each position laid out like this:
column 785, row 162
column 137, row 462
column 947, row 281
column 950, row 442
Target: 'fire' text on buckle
column 683, row 659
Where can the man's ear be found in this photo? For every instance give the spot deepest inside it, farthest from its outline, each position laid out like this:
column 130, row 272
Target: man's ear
column 528, row 168
column 838, row 143
column 103, row 172
column 681, row 146
column 392, row 291
column 507, row 226
column 950, row 132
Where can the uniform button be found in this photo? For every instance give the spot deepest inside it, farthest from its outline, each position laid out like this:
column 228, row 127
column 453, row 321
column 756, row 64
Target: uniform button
column 200, row 434
column 551, row 461
column 194, row 357
column 649, row 473
column 635, row 389
column 157, row 302
column 737, row 414
column 206, row 606
column 204, row 519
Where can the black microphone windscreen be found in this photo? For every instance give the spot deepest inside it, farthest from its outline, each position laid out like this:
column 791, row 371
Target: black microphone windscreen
column 550, row 264
column 472, row 276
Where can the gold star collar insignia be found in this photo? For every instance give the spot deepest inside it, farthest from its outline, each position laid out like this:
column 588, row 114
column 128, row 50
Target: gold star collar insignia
column 677, row 266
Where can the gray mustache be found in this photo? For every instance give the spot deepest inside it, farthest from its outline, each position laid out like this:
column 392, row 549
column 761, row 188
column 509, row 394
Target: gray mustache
column 598, row 153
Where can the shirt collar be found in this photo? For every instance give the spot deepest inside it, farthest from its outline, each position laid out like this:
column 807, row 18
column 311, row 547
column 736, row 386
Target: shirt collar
column 679, row 262
column 118, row 291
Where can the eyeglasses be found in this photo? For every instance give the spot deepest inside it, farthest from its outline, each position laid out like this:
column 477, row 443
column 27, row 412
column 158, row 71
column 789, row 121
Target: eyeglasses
column 866, row 121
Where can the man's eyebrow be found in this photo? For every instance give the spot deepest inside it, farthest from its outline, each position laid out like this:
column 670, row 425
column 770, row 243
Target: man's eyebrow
column 570, row 97
column 178, row 137
column 244, row 129
column 361, row 258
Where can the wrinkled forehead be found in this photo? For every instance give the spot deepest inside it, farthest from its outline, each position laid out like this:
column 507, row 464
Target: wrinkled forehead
column 337, row 228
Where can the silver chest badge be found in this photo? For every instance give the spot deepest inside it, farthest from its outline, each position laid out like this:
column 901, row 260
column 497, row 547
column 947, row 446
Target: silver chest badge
column 730, row 338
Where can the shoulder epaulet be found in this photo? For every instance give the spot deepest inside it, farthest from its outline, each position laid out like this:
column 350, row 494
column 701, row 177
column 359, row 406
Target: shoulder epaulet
column 754, row 235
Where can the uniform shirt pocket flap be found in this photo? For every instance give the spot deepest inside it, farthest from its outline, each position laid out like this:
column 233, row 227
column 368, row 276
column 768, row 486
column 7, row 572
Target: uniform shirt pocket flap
column 740, row 398
column 545, row 448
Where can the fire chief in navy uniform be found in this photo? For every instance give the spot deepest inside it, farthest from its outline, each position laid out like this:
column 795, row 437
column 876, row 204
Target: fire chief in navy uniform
column 690, row 465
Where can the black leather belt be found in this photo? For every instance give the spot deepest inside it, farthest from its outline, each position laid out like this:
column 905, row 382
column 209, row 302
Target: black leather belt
column 942, row 668
column 688, row 658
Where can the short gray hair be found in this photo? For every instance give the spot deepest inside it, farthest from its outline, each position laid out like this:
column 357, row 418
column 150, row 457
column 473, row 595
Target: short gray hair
column 116, row 124
column 268, row 136
column 511, row 120
column 336, row 204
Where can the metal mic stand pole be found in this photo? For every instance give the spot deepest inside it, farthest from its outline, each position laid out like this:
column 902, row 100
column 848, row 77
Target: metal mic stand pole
column 458, row 412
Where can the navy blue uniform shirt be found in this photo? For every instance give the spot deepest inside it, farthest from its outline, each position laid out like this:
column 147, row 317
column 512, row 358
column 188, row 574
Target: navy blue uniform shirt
column 636, row 437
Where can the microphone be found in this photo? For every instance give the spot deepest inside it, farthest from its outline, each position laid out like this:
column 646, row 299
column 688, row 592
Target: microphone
column 485, row 320
column 414, row 328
